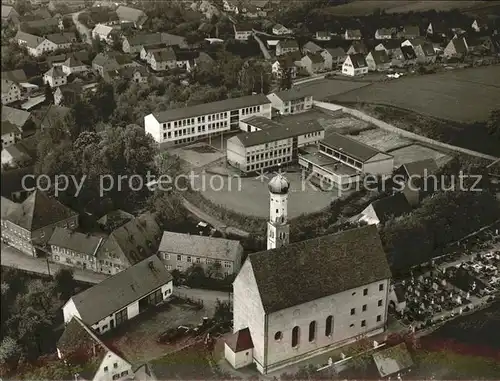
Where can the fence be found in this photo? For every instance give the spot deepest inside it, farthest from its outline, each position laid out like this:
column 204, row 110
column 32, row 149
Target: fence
column 399, row 131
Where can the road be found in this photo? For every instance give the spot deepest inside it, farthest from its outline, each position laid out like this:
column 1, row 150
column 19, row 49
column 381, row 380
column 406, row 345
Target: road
column 13, row 258
column 82, row 29
column 263, row 48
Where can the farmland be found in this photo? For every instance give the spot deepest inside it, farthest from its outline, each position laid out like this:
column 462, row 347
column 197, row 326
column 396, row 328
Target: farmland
column 464, row 96
column 367, row 7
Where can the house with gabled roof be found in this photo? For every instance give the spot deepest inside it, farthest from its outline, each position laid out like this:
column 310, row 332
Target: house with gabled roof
column 409, row 56
column 162, row 59
column 133, row 44
column 291, row 101
column 121, row 297
column 19, row 118
column 281, row 30
column 286, row 46
column 181, row 251
column 313, row 63
column 479, row 25
column 385, row 33
column 9, row 14
column 80, row 345
column 392, row 48
column 31, row 224
column 333, row 57
column 411, row 179
column 378, row 60
column 425, row 53
column 311, row 47
column 128, row 244
column 355, row 64
column 352, row 34
column 290, row 317
column 134, row 16
column 35, row 45
column 10, row 134
column 380, row 211
column 409, row 31
column 242, row 31
column 55, row 77
column 286, row 62
column 62, row 40
column 104, row 32
column 323, row 36
column 456, row 48
column 11, row 91
column 357, row 47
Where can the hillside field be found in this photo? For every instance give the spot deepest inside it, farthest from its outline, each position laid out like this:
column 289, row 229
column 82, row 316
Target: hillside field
column 463, row 96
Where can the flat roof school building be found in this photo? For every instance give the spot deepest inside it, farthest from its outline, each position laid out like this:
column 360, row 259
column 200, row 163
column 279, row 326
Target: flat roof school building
column 187, row 124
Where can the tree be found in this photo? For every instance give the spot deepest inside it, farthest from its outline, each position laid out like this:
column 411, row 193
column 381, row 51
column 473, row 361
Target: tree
column 223, row 313
column 64, row 283
column 103, row 101
column 49, row 96
column 168, row 208
column 9, row 353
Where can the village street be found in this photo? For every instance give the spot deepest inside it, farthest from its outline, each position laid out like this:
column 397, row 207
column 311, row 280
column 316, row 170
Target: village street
column 82, row 29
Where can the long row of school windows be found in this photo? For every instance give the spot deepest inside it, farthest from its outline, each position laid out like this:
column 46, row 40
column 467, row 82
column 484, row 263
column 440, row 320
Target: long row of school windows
column 329, row 328
column 193, row 130
column 199, row 119
column 267, row 155
column 267, row 164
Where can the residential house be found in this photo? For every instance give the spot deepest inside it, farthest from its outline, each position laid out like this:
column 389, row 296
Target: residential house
column 280, row 30
column 292, row 101
column 19, row 118
column 79, row 341
column 147, row 50
column 229, row 6
column 333, row 57
column 355, row 64
column 15, row 86
column 114, row 219
column 491, row 44
column 268, row 144
column 11, row 91
column 413, row 179
column 104, row 33
column 415, row 41
column 281, row 317
column 134, row 44
column 242, row 31
column 7, row 206
column 456, row 48
column 286, row 46
column 311, row 47
column 475, row 45
column 10, row 134
column 131, row 15
column 385, row 33
column 31, row 224
column 425, row 53
column 313, row 63
column 186, row 59
column 392, row 48
column 15, row 156
column 71, row 93
column 378, row 60
column 74, row 249
column 9, row 15
column 62, row 40
column 357, row 47
column 382, row 210
column 73, row 66
column 163, row 59
column 187, row 124
column 119, row 298
column 35, row 45
column 103, row 62
column 323, row 36
column 15, row 184
column 397, row 297
column 73, row 6
column 410, row 31
column 393, row 361
column 286, row 62
column 57, row 60
column 436, row 29
column 55, row 77
column 137, row 74
column 479, row 25
column 352, row 34
column 409, row 55
column 129, row 244
column 219, row 256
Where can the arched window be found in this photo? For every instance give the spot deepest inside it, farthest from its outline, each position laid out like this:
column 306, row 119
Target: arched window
column 295, row 336
column 329, row 326
column 312, row 331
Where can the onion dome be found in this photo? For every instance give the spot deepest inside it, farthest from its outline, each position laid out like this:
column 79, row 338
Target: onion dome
column 279, row 185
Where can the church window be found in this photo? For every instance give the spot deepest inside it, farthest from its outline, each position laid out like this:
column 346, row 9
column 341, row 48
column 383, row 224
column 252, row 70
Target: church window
column 363, row 323
column 295, row 336
column 312, row 331
column 329, row 326
column 381, row 287
column 278, row 336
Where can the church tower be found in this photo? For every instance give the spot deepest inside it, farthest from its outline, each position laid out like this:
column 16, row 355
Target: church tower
column 278, row 230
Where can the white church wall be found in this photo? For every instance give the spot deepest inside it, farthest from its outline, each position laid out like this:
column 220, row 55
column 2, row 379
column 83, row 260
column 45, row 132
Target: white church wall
column 280, row 352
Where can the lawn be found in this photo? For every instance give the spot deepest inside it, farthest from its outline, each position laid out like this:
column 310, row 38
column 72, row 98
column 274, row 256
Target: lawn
column 367, row 7
column 464, row 96
column 417, row 152
column 323, row 88
column 198, row 154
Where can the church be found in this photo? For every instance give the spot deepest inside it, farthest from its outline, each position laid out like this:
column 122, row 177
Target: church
column 296, row 301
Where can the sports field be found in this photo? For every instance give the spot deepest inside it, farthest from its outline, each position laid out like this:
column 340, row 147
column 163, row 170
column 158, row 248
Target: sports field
column 466, row 95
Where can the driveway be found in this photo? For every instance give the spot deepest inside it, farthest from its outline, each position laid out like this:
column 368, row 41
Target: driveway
column 85, row 32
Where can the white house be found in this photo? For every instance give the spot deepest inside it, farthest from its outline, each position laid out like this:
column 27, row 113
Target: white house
column 242, row 31
column 79, row 341
column 11, row 91
column 292, row 101
column 385, row 33
column 187, row 124
column 55, row 77
column 281, row 30
column 103, row 33
column 352, row 34
column 279, row 66
column 73, row 66
column 479, row 25
column 122, row 296
column 297, row 301
column 35, row 45
column 10, row 134
column 286, row 46
column 355, row 64
column 162, row 59
column 323, row 36
column 62, row 40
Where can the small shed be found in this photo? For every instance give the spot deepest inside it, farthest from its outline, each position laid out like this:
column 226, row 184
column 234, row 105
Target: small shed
column 238, row 348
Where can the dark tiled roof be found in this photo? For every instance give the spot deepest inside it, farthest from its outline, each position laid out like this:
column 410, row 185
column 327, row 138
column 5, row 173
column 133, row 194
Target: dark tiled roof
column 293, row 94
column 392, row 44
column 200, row 246
column 240, row 341
column 411, row 30
column 9, row 128
column 39, row 210
column 61, row 38
column 114, row 219
column 129, row 14
column 249, row 139
column 316, row 58
column 408, row 52
column 138, row 238
column 419, row 168
column 118, row 291
column 336, row 52
column 12, row 180
column 428, row 49
column 31, row 40
column 213, row 107
column 78, row 242
column 76, row 337
column 358, row 60
column 157, row 38
column 164, row 55
column 391, row 206
column 333, row 263
column 350, row 146
column 288, row 44
column 15, row 75
column 312, row 47
column 15, row 116
column 380, row 57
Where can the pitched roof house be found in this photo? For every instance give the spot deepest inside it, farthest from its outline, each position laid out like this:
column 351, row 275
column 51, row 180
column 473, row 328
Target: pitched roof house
column 378, row 60
column 409, row 179
column 410, row 31
column 385, row 33
column 135, row 16
column 457, row 47
column 333, row 57
column 80, row 344
column 35, row 45
column 272, row 291
column 409, row 55
column 355, row 64
column 134, row 44
column 311, row 47
column 122, row 296
column 357, row 47
column 380, row 211
column 425, row 53
column 352, row 34
column 313, row 63
column 286, row 46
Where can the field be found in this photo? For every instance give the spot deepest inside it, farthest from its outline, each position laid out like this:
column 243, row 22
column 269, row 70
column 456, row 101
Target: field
column 340, row 124
column 417, row 152
column 463, row 96
column 323, row 88
column 367, row 7
column 381, row 139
